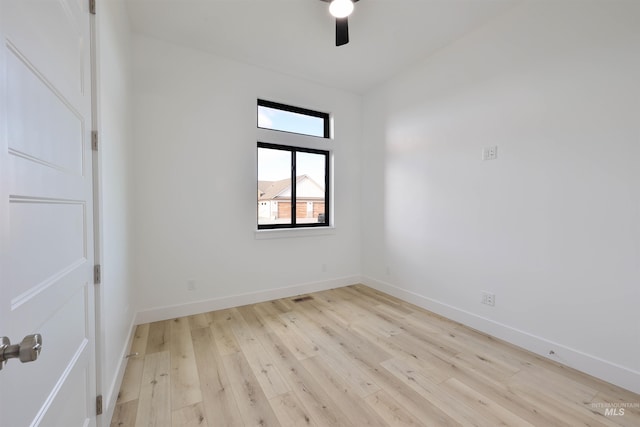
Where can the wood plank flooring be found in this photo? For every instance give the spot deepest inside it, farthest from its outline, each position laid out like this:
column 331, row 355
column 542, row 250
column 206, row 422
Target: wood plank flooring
column 350, row 357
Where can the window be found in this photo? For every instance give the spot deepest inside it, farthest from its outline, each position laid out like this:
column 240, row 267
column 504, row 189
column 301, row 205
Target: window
column 293, row 182
column 286, row 118
column 293, row 187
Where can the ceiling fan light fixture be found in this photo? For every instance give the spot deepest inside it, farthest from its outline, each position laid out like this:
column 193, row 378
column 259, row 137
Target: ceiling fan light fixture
column 341, row 8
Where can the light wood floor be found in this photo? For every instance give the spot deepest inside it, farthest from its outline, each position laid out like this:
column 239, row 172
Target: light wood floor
column 349, row 357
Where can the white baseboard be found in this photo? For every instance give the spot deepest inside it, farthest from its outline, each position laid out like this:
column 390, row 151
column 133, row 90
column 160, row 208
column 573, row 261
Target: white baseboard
column 111, row 396
column 599, row 368
column 187, row 309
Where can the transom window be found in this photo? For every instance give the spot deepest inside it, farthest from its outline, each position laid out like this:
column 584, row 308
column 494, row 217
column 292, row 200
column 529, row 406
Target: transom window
column 287, row 118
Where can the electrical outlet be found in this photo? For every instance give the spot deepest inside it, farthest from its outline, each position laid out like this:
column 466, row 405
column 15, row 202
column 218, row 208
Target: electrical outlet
column 324, row 268
column 488, row 298
column 490, row 153
column 191, row 285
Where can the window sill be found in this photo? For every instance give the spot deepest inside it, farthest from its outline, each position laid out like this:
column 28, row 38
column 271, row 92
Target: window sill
column 283, row 233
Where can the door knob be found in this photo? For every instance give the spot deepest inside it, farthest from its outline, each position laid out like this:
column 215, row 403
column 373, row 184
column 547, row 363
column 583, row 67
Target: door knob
column 27, row 351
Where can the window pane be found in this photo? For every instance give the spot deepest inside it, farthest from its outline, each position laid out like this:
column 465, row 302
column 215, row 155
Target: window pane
column 310, row 191
column 273, row 118
column 274, row 186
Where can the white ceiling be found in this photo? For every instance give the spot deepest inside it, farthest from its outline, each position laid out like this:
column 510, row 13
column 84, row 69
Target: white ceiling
column 297, row 37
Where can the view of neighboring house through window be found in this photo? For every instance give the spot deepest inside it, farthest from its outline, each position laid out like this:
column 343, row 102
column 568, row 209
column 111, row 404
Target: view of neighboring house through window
column 293, row 182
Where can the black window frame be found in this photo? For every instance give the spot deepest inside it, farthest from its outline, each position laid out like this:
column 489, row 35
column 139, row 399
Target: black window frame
column 327, row 193
column 326, row 118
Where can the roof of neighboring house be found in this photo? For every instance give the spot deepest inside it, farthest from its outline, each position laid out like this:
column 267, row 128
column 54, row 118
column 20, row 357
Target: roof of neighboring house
column 269, row 190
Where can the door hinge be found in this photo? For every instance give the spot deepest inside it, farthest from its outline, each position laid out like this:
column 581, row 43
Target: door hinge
column 94, row 140
column 96, row 274
column 92, row 7
column 99, row 405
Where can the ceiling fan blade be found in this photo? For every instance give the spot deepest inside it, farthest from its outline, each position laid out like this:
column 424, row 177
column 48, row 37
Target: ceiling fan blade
column 342, row 31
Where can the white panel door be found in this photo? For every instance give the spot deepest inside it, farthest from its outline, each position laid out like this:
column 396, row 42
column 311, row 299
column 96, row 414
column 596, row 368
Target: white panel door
column 46, row 245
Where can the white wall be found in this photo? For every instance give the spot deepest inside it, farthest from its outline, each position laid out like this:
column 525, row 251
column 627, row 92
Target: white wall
column 552, row 227
column 195, row 179
column 116, row 296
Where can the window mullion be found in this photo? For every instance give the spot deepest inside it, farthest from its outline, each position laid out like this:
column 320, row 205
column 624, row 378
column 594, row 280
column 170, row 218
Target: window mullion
column 294, row 203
